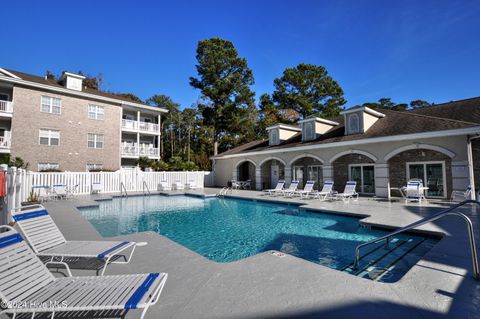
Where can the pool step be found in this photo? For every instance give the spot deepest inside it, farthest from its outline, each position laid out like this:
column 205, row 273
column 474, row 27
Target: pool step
column 380, row 262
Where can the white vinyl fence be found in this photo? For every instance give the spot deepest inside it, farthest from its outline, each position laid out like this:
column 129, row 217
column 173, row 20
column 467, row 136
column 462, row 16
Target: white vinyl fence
column 20, row 182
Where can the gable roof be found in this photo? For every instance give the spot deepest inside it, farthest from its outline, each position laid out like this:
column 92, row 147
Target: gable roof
column 55, row 85
column 448, row 116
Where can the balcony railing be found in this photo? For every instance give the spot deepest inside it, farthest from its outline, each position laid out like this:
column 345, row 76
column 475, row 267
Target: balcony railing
column 4, row 142
column 6, row 106
column 140, row 126
column 134, row 150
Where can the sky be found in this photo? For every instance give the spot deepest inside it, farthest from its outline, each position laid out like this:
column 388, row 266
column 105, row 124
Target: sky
column 404, row 50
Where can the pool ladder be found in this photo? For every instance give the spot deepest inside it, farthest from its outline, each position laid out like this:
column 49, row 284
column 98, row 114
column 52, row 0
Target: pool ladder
column 145, row 186
column 123, row 190
column 449, row 211
column 224, row 191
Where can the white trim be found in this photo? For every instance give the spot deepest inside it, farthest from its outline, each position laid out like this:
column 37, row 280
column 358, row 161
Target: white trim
column 73, row 75
column 284, row 127
column 272, row 158
column 305, row 155
column 9, row 73
column 243, row 161
column 425, row 163
column 318, row 119
column 82, row 94
column 419, row 146
column 363, row 109
column 352, row 151
column 402, row 137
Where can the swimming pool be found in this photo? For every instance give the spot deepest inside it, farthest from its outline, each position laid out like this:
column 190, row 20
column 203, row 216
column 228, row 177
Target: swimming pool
column 228, row 229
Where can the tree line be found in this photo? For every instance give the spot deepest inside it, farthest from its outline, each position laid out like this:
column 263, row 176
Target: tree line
column 226, row 114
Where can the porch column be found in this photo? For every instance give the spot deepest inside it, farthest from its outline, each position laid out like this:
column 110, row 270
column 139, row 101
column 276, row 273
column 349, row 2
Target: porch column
column 258, row 179
column 327, row 173
column 288, row 175
column 460, row 176
column 235, row 174
column 382, row 186
column 471, row 172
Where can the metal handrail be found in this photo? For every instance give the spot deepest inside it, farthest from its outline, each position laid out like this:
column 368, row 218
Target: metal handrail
column 426, row 220
column 145, row 186
column 122, row 187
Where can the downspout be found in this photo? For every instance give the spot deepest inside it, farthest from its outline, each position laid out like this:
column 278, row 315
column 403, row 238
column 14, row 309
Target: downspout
column 473, row 194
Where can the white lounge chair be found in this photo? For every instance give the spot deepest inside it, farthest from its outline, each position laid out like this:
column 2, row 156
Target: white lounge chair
column 164, row 186
column 47, row 240
column 291, row 189
column 348, row 192
column 178, row 185
column 277, row 188
column 326, row 192
column 43, row 193
column 26, row 285
column 191, row 184
column 414, row 191
column 96, row 187
column 306, row 191
column 462, row 195
column 59, row 191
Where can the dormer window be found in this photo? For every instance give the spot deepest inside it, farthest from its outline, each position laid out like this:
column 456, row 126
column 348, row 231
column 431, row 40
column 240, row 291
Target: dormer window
column 274, row 136
column 353, row 123
column 313, row 127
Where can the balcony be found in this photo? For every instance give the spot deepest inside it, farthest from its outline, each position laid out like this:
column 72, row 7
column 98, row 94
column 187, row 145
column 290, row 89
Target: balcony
column 5, row 144
column 133, row 151
column 142, row 127
column 6, row 108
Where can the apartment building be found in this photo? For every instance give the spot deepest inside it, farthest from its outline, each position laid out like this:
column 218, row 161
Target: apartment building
column 67, row 126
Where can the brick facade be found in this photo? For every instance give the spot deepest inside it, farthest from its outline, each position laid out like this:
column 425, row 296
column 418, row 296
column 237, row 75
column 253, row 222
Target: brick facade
column 340, row 168
column 72, row 153
column 397, row 166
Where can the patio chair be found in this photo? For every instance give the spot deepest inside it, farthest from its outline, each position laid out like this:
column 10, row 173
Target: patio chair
column 60, row 191
column 291, row 189
column 306, row 191
column 191, row 184
column 27, row 287
column 463, row 195
column 326, row 192
column 164, row 186
column 178, row 185
column 277, row 188
column 46, row 240
column 43, row 192
column 96, row 187
column 348, row 192
column 414, row 191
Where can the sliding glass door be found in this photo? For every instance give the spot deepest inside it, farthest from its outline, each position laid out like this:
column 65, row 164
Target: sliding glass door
column 432, row 175
column 364, row 175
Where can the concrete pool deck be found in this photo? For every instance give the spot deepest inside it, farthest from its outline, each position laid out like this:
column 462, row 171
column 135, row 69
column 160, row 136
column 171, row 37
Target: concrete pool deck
column 440, row 285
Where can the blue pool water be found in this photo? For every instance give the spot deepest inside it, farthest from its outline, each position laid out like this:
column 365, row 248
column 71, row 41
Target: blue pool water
column 226, row 230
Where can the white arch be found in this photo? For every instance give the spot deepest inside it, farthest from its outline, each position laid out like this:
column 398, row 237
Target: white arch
column 305, row 155
column 419, row 146
column 365, row 153
column 245, row 160
column 271, row 158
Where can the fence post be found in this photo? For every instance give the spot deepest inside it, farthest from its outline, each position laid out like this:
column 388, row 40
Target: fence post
column 4, row 200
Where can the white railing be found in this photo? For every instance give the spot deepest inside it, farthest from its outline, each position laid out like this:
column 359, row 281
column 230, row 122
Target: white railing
column 149, row 151
column 140, row 126
column 4, row 142
column 129, row 150
column 134, row 150
column 20, row 182
column 6, row 106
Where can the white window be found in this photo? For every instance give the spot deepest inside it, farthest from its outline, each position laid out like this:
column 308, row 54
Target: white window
column 96, row 112
column 49, row 137
column 48, row 166
column 353, row 123
column 94, row 167
column 51, row 105
column 95, row 140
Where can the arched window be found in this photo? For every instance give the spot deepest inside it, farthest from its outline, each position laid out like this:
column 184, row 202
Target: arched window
column 353, row 123
column 308, row 131
column 273, row 137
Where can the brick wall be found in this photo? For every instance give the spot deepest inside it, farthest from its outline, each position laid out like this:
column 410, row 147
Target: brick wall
column 73, row 123
column 397, row 166
column 340, row 168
